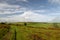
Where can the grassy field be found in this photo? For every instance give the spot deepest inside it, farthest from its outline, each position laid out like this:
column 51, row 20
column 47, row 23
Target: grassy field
column 31, row 31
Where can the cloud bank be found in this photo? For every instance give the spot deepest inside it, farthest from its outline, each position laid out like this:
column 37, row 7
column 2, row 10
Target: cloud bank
column 28, row 16
column 10, row 8
column 54, row 1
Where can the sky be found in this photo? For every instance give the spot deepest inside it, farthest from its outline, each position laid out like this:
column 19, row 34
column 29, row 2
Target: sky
column 29, row 10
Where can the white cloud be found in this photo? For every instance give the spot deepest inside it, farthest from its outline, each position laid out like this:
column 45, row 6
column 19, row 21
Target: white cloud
column 37, row 17
column 42, row 6
column 6, row 1
column 54, row 14
column 56, row 19
column 23, row 0
column 28, row 16
column 54, row 1
column 7, row 5
column 9, row 9
column 40, row 11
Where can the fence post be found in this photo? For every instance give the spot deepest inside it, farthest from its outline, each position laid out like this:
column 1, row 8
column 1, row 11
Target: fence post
column 15, row 34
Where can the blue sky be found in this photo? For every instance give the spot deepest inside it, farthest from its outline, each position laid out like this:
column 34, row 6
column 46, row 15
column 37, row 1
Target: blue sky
column 50, row 9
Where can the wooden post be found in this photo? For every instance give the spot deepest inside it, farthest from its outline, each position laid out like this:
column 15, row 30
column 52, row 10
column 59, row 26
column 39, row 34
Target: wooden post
column 15, row 35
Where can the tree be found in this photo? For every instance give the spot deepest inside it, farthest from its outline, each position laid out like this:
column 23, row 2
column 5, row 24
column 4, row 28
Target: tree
column 25, row 24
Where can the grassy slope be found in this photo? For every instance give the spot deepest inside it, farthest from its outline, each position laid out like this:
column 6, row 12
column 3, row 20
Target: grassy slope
column 35, row 31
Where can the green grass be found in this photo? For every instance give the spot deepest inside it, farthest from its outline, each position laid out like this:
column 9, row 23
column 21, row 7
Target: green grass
column 34, row 31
